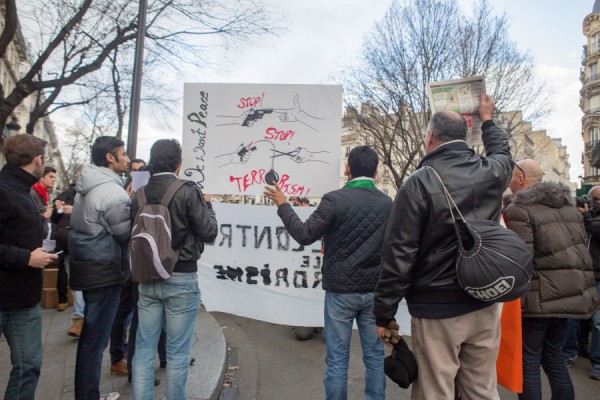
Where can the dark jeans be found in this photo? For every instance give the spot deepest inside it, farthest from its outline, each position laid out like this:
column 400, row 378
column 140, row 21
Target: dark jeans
column 100, row 310
column 118, row 335
column 162, row 341
column 577, row 337
column 62, row 282
column 23, row 331
column 543, row 340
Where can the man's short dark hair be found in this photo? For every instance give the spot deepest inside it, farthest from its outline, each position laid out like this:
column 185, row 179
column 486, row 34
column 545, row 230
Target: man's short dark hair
column 165, row 156
column 137, row 160
column 363, row 161
column 104, row 145
column 48, row 169
column 446, row 126
column 21, row 149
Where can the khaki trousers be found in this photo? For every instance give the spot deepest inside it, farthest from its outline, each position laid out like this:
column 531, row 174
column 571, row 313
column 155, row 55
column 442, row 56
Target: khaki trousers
column 461, row 349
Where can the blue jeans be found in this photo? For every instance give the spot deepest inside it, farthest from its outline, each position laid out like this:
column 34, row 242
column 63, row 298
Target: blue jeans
column 571, row 347
column 595, row 345
column 23, row 331
column 100, row 309
column 77, row 295
column 79, row 304
column 543, row 340
column 174, row 304
column 118, row 336
column 340, row 312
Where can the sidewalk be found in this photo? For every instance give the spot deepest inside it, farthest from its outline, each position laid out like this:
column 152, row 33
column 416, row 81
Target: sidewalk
column 58, row 362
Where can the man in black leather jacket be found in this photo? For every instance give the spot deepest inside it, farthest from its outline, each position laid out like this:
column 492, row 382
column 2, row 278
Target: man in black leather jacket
column 454, row 336
column 174, row 302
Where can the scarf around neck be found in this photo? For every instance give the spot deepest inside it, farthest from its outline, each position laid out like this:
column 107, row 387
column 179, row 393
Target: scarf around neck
column 360, row 183
column 41, row 189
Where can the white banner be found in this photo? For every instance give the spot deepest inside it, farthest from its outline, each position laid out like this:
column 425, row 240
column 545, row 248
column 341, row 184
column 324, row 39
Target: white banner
column 239, row 137
column 256, row 270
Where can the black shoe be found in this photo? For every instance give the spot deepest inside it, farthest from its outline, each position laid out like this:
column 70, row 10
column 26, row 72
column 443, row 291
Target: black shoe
column 192, row 361
column 156, row 381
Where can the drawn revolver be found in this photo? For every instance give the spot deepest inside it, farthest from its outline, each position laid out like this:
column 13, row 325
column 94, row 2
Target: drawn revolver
column 253, row 115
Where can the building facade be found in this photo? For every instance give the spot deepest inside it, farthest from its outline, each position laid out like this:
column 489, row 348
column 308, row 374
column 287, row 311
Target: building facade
column 590, row 97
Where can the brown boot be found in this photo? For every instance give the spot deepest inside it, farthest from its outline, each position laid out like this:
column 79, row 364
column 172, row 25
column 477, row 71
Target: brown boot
column 119, row 368
column 75, row 328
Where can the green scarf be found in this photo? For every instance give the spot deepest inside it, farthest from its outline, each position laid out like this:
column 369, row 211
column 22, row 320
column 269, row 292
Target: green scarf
column 360, row 183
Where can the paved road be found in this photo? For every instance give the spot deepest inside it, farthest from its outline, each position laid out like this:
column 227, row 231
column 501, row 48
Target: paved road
column 266, row 362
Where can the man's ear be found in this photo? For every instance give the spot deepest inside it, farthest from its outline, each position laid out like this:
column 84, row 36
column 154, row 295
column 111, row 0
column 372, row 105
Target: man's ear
column 347, row 171
column 110, row 158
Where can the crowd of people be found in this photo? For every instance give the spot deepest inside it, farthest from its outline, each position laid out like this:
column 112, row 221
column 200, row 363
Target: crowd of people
column 377, row 252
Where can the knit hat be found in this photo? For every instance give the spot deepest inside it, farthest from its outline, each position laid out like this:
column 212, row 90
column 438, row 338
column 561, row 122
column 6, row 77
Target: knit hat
column 401, row 365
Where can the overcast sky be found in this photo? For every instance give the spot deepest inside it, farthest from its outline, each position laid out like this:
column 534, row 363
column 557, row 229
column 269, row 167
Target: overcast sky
column 324, row 35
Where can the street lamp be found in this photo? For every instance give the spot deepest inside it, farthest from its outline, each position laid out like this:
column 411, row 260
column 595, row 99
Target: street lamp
column 12, row 127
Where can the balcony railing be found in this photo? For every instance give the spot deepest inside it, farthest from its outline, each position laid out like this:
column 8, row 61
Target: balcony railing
column 591, row 49
column 591, row 79
column 589, row 146
column 595, row 161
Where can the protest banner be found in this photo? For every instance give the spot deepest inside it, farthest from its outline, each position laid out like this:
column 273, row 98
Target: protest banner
column 460, row 96
column 239, row 137
column 256, row 270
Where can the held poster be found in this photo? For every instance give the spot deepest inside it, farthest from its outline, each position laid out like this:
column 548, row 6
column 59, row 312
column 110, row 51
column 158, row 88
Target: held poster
column 461, row 96
column 256, row 270
column 239, row 137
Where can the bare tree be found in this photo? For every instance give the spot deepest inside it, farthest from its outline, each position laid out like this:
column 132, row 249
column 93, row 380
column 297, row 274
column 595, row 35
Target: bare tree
column 420, row 42
column 75, row 38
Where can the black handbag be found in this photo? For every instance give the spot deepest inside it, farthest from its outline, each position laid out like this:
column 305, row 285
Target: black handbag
column 401, row 365
column 493, row 263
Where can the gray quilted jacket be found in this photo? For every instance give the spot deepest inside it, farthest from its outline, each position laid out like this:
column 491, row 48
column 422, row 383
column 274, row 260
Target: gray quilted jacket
column 352, row 222
column 100, row 229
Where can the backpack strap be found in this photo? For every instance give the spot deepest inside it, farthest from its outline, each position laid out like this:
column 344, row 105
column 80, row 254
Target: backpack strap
column 170, row 193
column 141, row 197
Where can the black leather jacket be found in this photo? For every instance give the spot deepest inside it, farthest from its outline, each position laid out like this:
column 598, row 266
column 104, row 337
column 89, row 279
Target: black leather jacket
column 419, row 249
column 193, row 220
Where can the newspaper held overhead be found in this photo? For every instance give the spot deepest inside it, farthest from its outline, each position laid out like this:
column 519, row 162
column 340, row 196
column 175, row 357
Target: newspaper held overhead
column 461, row 96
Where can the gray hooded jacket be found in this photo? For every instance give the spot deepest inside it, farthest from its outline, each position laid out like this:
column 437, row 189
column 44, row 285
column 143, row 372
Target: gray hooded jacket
column 562, row 286
column 100, row 230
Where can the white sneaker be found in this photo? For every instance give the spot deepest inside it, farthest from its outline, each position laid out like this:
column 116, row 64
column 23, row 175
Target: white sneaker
column 110, row 396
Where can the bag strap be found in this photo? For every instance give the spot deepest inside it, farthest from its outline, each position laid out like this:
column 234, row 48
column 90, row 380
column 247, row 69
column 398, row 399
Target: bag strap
column 141, row 197
column 449, row 198
column 170, row 193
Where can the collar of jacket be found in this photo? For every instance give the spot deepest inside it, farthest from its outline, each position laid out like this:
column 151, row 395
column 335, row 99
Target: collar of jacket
column 446, row 148
column 360, row 182
column 19, row 176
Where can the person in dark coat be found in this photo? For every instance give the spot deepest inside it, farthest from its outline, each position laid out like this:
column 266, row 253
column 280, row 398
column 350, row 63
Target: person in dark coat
column 455, row 337
column 21, row 262
column 351, row 221
column 544, row 215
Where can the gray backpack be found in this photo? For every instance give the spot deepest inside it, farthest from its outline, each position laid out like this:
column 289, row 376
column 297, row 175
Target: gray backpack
column 152, row 257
